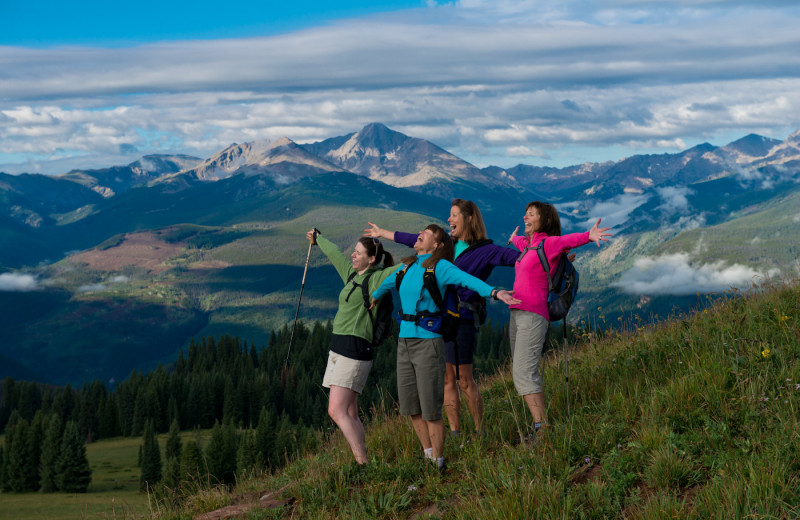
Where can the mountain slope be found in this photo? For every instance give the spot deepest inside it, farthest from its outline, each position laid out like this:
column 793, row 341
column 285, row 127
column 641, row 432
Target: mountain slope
column 283, row 161
column 394, row 158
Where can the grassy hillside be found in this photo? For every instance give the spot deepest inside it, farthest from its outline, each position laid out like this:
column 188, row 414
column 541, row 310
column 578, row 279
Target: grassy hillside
column 694, row 418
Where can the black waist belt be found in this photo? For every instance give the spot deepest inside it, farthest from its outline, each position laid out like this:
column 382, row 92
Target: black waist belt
column 408, row 317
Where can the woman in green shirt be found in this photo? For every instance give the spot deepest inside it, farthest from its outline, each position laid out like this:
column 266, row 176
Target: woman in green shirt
column 351, row 352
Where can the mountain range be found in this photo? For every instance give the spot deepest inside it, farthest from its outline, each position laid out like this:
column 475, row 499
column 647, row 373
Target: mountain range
column 108, row 270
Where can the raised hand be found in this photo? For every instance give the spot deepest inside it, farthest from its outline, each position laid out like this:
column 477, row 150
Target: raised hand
column 596, row 234
column 374, row 231
column 515, row 233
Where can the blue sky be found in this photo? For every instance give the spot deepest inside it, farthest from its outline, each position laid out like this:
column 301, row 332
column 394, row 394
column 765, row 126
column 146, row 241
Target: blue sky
column 49, row 23
column 92, row 84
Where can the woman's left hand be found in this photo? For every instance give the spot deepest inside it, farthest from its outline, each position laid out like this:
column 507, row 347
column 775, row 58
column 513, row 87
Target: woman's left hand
column 596, row 234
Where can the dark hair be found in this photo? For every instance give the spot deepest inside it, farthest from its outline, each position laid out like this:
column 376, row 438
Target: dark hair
column 445, row 252
column 375, row 248
column 549, row 222
column 474, row 229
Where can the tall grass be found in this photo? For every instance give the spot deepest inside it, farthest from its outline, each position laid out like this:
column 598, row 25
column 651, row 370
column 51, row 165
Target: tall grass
column 694, row 418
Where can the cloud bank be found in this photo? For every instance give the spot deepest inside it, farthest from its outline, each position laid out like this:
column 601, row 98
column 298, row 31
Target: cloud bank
column 15, row 282
column 677, row 275
column 561, row 82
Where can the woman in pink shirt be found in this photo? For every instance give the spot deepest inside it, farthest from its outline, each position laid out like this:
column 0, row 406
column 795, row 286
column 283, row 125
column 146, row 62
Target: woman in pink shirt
column 530, row 319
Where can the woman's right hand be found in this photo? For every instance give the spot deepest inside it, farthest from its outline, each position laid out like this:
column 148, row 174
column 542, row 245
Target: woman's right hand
column 374, row 231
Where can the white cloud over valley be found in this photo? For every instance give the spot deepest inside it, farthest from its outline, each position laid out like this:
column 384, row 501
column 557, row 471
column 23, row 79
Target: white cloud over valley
column 676, row 274
column 558, row 82
column 18, row 282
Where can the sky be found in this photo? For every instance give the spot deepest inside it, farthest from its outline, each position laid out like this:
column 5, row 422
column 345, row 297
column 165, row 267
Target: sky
column 497, row 82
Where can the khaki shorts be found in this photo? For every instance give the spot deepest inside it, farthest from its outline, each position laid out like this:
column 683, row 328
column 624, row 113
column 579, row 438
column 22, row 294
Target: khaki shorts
column 420, row 377
column 527, row 332
column 346, row 372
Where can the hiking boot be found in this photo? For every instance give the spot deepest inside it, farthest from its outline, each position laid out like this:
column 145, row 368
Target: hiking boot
column 529, row 439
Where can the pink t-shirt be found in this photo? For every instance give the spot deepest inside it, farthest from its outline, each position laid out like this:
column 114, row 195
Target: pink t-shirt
column 530, row 281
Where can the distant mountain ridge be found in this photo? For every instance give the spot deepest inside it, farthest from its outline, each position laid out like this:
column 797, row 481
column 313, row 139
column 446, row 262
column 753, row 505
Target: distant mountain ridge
column 185, row 247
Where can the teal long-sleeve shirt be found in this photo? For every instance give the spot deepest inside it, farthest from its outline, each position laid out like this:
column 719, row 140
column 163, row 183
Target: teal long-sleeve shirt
column 415, row 298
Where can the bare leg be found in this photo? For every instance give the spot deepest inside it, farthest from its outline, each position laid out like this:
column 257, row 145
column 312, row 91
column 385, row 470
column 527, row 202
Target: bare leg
column 343, row 409
column 421, row 429
column 436, row 435
column 452, row 406
column 474, row 398
column 535, row 404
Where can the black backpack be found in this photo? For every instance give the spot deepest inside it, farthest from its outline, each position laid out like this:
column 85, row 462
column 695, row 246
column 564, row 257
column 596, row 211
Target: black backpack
column 382, row 321
column 563, row 286
column 446, row 320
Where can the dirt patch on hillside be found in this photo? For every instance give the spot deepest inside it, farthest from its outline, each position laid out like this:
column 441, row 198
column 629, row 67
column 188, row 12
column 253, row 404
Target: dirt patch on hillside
column 143, row 250
column 242, row 505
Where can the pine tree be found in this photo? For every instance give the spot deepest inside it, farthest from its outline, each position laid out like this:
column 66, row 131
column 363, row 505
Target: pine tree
column 265, row 435
column 221, row 453
column 73, row 471
column 172, row 456
column 172, row 449
column 247, row 456
column 21, row 468
column 151, row 459
column 2, row 468
column 193, row 467
column 51, row 450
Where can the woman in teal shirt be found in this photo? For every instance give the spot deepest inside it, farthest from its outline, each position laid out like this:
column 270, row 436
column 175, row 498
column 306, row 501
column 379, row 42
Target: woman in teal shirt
column 420, row 352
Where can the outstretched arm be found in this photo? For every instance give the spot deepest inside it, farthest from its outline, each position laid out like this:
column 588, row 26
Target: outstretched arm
column 596, row 234
column 376, row 231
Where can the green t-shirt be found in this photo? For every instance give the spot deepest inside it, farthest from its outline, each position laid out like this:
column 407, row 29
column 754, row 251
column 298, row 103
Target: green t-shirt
column 351, row 317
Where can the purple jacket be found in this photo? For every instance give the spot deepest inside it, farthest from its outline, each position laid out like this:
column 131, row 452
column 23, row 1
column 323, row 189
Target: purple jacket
column 478, row 260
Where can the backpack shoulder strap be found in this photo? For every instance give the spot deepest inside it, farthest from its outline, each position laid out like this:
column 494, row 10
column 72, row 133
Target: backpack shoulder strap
column 545, row 264
column 429, row 283
column 400, row 274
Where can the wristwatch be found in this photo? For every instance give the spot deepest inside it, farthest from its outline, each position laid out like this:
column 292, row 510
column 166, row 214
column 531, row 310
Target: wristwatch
column 494, row 293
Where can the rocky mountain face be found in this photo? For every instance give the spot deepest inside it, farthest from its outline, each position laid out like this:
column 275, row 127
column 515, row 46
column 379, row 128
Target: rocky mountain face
column 282, row 160
column 112, row 181
column 396, row 159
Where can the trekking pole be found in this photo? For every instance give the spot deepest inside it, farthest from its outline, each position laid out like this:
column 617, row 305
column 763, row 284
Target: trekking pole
column 566, row 363
column 297, row 311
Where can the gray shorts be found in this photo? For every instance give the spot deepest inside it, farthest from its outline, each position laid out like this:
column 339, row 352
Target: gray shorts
column 346, row 372
column 420, row 377
column 527, row 332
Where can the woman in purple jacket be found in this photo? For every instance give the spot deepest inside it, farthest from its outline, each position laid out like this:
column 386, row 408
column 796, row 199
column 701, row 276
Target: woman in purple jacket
column 477, row 255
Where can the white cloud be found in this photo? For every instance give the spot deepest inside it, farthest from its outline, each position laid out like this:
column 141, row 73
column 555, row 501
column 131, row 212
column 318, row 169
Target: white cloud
column 16, row 282
column 674, row 198
column 524, row 151
column 676, row 275
column 615, row 212
column 477, row 77
column 95, row 287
